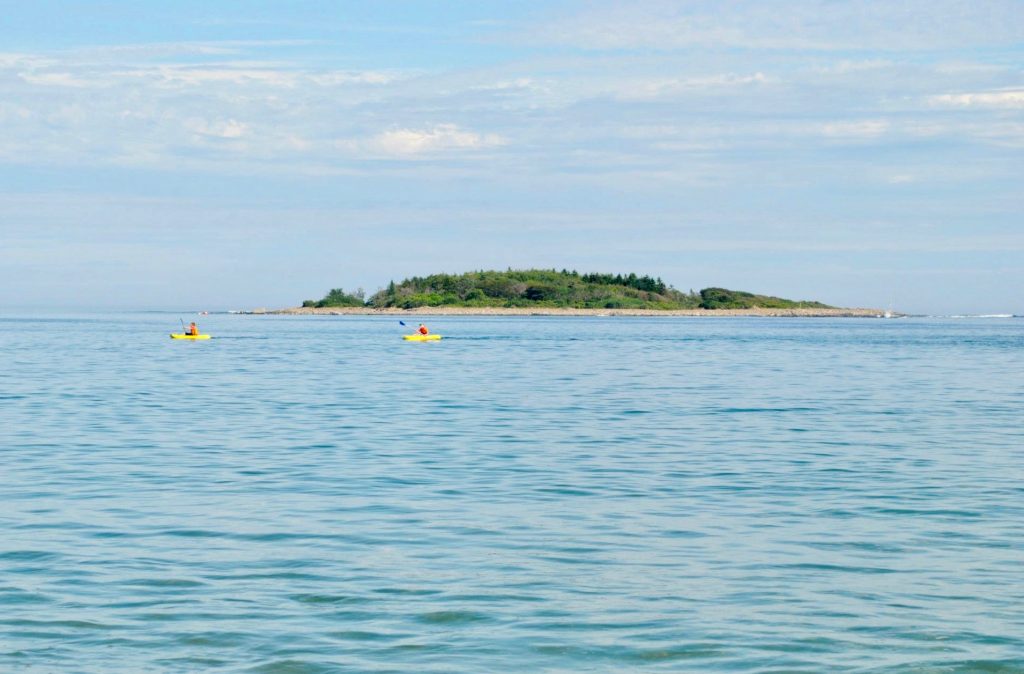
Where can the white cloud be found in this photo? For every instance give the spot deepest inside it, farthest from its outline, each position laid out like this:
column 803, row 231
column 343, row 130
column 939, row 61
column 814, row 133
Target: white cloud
column 440, row 138
column 245, row 75
column 1013, row 98
column 651, row 89
column 153, row 112
column 973, row 69
column 17, row 60
column 860, row 129
column 519, row 83
column 228, row 128
column 181, row 104
column 58, row 80
column 336, row 78
column 846, row 66
column 195, row 76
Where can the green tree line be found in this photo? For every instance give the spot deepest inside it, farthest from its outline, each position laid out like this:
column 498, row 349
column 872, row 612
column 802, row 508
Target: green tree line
column 549, row 288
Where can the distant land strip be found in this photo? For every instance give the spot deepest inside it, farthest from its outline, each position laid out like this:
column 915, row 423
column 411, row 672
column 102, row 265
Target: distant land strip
column 567, row 311
column 549, row 292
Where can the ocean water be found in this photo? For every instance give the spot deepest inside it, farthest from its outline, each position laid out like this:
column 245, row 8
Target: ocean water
column 314, row 495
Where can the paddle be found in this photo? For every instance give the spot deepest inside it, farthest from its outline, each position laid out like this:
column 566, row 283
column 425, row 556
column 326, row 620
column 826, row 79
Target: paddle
column 182, row 324
column 404, row 323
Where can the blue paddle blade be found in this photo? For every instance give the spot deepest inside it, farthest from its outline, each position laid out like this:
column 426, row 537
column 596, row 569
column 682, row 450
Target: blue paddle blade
column 401, row 322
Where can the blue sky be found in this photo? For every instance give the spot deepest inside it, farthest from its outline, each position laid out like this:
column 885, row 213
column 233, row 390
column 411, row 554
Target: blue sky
column 216, row 155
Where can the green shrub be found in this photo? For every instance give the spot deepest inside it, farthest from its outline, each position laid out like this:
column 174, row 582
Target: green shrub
column 721, row 298
column 337, row 297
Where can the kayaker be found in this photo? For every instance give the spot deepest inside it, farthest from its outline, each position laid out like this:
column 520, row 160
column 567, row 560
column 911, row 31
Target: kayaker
column 423, row 330
column 193, row 330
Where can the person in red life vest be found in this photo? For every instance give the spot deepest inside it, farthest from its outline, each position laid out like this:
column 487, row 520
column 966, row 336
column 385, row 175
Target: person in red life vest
column 193, row 330
column 423, row 330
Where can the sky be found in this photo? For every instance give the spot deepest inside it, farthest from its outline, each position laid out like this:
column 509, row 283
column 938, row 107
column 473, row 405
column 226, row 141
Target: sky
column 205, row 155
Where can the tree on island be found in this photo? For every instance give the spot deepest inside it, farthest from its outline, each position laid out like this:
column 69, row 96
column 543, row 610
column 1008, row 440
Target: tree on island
column 337, row 297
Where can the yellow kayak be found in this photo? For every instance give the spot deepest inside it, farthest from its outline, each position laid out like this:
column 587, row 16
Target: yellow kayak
column 422, row 338
column 178, row 335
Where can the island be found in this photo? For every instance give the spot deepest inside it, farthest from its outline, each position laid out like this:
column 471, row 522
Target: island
column 558, row 293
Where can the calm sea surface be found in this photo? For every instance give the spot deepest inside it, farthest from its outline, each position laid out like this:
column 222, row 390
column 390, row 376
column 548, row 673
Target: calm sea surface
column 314, row 495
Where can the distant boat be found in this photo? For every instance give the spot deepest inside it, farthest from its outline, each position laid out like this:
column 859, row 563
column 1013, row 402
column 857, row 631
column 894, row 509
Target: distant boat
column 889, row 312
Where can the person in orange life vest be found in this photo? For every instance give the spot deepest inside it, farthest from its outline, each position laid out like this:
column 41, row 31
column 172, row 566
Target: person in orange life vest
column 193, row 330
column 423, row 329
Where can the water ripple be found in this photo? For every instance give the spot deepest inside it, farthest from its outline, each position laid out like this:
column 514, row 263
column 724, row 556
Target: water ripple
column 603, row 495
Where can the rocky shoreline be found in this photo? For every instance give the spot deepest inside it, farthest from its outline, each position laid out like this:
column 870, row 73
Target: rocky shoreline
column 558, row 311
